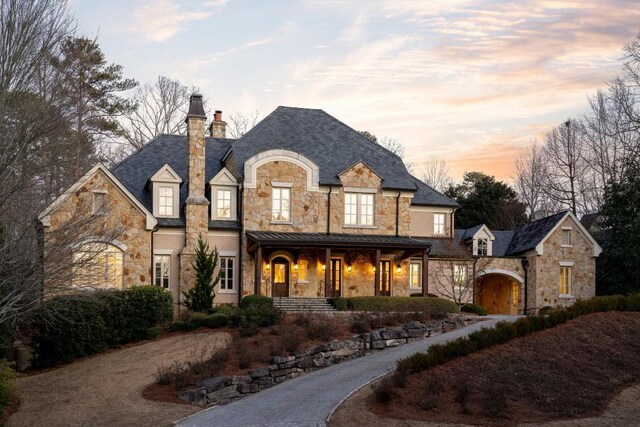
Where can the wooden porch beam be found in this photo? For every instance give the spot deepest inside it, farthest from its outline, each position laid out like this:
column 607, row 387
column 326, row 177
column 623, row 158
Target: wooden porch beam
column 258, row 272
column 376, row 266
column 327, row 272
column 425, row 272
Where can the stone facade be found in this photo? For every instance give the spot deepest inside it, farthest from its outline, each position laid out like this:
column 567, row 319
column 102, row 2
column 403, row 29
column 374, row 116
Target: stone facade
column 73, row 223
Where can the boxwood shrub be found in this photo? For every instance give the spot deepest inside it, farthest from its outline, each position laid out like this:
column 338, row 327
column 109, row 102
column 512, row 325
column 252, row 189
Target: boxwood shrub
column 473, row 308
column 429, row 305
column 256, row 300
column 71, row 326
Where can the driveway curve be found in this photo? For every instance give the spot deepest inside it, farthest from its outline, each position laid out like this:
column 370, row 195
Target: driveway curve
column 310, row 399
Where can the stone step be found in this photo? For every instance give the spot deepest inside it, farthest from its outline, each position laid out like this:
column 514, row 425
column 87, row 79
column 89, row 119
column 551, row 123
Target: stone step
column 302, row 304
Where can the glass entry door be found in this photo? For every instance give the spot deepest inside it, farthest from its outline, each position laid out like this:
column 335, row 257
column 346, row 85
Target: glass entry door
column 336, row 277
column 385, row 278
column 280, row 277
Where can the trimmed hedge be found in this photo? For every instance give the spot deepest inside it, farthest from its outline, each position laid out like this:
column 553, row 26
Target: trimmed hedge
column 473, row 308
column 202, row 320
column 430, row 305
column 339, row 303
column 71, row 326
column 506, row 331
column 256, row 300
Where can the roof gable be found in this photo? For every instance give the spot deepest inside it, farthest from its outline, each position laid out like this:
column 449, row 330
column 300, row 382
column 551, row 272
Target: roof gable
column 224, row 177
column 166, row 174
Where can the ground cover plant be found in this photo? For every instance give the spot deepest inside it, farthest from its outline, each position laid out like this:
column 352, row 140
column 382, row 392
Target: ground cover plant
column 568, row 371
column 432, row 306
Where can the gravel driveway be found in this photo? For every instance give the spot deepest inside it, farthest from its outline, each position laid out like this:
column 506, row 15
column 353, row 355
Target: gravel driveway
column 105, row 390
column 308, row 400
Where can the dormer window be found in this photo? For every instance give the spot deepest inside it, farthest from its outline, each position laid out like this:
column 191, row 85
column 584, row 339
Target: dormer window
column 166, row 191
column 483, row 247
column 224, row 189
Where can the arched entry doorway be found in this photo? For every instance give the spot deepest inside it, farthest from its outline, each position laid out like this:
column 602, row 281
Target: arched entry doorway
column 280, row 277
column 500, row 292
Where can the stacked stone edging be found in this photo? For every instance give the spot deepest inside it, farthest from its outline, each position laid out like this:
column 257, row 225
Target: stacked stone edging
column 222, row 390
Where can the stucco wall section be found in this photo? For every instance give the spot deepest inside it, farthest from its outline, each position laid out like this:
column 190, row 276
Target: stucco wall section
column 547, row 268
column 122, row 221
column 227, row 243
column 421, row 222
column 171, row 240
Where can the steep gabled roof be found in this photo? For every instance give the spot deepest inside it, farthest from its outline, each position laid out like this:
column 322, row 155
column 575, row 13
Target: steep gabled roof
column 427, row 196
column 135, row 171
column 528, row 236
column 323, row 139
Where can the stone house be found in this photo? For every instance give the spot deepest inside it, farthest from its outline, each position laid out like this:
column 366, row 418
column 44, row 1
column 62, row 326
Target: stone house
column 305, row 206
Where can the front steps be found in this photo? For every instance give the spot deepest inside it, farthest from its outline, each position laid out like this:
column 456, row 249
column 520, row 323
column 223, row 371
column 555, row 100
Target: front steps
column 297, row 305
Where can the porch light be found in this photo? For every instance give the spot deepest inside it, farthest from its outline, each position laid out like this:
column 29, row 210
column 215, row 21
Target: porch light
column 398, row 268
column 373, row 269
column 348, row 269
column 324, row 267
column 268, row 267
column 295, row 267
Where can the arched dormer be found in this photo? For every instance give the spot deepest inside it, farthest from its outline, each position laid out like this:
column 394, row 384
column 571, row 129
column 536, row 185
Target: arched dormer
column 252, row 164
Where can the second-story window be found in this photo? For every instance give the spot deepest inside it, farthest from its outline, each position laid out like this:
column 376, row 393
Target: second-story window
column 223, row 204
column 483, row 246
column 281, row 204
column 358, row 209
column 165, row 201
column 438, row 224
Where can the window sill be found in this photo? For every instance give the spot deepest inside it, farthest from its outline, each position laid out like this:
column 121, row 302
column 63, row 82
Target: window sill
column 281, row 222
column 566, row 246
column 567, row 297
column 223, row 219
column 227, row 291
column 167, row 216
column 303, row 282
column 370, row 227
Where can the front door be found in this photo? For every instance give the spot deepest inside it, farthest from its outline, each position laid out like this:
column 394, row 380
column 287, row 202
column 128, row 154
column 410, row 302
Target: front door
column 280, row 277
column 336, row 277
column 385, row 278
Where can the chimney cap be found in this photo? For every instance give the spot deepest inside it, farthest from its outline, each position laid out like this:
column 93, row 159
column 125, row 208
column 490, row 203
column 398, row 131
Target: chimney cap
column 196, row 109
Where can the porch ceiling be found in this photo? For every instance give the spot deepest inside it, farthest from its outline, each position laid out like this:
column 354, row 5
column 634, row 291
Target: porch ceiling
column 341, row 241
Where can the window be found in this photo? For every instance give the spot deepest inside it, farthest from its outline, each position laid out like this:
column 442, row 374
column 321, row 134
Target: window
column 227, row 270
column 566, row 237
column 161, row 271
column 460, row 275
column 565, row 281
column 165, row 201
column 98, row 265
column 415, row 275
column 438, row 224
column 223, row 204
column 358, row 209
column 99, row 203
column 281, row 204
column 483, row 246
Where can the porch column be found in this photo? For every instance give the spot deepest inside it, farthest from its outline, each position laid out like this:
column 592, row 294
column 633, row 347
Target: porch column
column 376, row 266
column 258, row 274
column 425, row 272
column 327, row 273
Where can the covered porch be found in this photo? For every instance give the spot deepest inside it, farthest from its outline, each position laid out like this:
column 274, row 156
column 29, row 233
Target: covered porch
column 308, row 265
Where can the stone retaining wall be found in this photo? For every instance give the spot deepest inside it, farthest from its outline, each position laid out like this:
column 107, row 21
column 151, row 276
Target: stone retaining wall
column 222, row 390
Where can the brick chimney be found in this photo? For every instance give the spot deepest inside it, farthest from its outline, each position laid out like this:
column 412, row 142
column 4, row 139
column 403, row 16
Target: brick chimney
column 218, row 128
column 196, row 206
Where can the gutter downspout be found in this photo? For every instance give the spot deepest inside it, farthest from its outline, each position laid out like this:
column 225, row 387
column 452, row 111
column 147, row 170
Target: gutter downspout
column 525, row 266
column 329, row 210
column 473, row 297
column 398, row 215
column 239, row 206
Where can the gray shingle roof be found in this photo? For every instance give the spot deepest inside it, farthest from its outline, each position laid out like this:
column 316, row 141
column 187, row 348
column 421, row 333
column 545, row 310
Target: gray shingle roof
column 501, row 244
column 335, row 240
column 428, row 196
column 529, row 235
column 135, row 171
column 325, row 140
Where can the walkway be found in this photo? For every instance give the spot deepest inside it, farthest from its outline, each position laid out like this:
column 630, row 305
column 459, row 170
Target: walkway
column 310, row 399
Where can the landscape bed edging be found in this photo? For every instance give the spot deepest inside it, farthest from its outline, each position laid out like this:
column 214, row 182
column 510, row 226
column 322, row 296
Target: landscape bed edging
column 224, row 389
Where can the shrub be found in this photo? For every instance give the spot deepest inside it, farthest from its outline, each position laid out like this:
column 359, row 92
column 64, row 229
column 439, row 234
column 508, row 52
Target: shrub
column 384, row 390
column 6, row 339
column 473, row 308
column 225, row 309
column 253, row 316
column 544, row 311
column 200, row 297
column 217, row 320
column 339, row 304
column 432, row 306
column 181, row 325
column 255, row 300
column 154, row 332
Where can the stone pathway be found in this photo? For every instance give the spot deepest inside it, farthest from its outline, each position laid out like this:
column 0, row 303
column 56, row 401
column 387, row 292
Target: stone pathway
column 310, row 399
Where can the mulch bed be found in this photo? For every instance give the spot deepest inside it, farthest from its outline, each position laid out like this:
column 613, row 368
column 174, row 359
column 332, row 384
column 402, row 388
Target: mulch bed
column 571, row 371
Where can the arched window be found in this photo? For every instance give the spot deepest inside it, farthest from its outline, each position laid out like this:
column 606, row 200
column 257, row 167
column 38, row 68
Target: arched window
column 98, row 265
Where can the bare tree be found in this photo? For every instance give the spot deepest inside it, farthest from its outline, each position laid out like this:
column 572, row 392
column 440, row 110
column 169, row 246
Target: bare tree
column 160, row 108
column 238, row 124
column 531, row 181
column 435, row 173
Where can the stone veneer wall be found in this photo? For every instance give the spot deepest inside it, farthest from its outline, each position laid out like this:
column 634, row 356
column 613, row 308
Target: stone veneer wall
column 123, row 221
column 547, row 269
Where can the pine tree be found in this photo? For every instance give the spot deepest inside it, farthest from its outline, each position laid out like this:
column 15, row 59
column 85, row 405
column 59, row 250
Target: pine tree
column 200, row 297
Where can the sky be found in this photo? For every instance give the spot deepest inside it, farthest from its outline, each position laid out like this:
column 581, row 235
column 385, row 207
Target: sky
column 471, row 82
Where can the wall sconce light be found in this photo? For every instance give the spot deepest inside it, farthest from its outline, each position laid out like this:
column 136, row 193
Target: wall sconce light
column 373, row 269
column 295, row 267
column 268, row 267
column 348, row 269
column 324, row 267
column 398, row 268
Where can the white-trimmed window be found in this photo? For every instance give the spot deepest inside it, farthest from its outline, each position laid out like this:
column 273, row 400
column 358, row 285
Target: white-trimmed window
column 415, row 275
column 565, row 279
column 483, row 247
column 439, row 224
column 359, row 209
column 281, row 204
column 227, row 272
column 165, row 200
column 99, row 202
column 162, row 271
column 98, row 265
column 223, row 204
column 566, row 237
